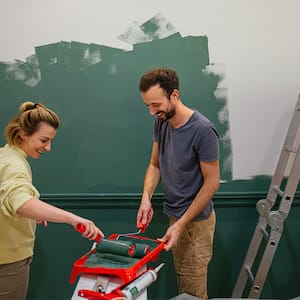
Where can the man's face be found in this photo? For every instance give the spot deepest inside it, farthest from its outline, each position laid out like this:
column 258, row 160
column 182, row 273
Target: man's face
column 158, row 103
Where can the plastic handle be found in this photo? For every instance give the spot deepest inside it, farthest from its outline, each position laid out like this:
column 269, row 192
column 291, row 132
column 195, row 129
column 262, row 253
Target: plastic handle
column 81, row 228
column 142, row 227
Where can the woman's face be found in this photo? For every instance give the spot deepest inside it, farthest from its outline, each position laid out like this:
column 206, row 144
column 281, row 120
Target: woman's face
column 36, row 144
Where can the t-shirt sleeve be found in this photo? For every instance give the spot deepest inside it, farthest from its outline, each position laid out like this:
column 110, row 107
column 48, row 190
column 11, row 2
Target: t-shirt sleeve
column 207, row 146
column 16, row 190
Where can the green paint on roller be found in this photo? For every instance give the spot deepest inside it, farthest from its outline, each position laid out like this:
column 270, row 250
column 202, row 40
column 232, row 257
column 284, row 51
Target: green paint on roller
column 151, row 243
column 141, row 250
column 107, row 260
column 124, row 248
column 119, row 253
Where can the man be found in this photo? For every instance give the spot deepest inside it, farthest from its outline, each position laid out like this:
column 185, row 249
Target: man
column 185, row 157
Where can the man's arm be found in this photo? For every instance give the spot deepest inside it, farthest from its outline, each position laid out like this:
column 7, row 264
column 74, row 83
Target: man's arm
column 211, row 182
column 152, row 178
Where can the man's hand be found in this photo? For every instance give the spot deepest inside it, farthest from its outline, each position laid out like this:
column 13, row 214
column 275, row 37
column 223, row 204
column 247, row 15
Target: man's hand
column 145, row 213
column 171, row 236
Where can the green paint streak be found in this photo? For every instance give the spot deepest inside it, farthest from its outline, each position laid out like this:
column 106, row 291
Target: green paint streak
column 150, row 27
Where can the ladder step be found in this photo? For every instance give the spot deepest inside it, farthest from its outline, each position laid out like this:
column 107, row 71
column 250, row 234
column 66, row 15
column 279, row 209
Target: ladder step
column 290, row 149
column 264, row 233
column 277, row 190
column 250, row 274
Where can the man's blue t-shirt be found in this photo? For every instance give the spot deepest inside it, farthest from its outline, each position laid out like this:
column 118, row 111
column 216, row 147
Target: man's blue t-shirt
column 180, row 152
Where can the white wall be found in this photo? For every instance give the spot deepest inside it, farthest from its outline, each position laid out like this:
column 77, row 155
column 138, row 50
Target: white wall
column 257, row 42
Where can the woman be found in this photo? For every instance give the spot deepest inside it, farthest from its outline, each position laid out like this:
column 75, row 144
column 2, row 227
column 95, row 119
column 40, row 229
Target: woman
column 29, row 134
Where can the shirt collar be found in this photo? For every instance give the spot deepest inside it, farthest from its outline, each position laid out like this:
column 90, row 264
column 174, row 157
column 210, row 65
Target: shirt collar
column 17, row 149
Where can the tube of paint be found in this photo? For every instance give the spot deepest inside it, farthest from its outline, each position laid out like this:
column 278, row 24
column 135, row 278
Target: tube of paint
column 133, row 289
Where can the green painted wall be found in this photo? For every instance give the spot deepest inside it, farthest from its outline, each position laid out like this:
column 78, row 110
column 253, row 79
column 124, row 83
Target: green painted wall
column 104, row 142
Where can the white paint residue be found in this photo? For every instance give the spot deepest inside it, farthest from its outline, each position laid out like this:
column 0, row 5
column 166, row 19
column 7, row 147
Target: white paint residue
column 223, row 115
column 227, row 163
column 53, row 61
column 91, row 57
column 13, row 71
column 164, row 28
column 220, row 93
column 226, row 136
column 133, row 35
column 226, row 141
column 217, row 69
column 140, row 33
column 113, row 69
column 28, row 71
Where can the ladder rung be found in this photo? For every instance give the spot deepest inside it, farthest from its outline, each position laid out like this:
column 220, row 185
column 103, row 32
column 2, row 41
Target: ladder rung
column 290, row 149
column 264, row 233
column 278, row 190
column 250, row 274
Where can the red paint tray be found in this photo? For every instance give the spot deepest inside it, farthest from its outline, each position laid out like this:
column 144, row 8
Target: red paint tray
column 127, row 272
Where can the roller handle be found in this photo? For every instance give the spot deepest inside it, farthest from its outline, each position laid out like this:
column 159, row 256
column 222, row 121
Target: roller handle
column 81, row 228
column 142, row 227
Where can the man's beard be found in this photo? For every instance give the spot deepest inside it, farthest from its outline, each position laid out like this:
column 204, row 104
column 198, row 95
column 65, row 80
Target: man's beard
column 170, row 114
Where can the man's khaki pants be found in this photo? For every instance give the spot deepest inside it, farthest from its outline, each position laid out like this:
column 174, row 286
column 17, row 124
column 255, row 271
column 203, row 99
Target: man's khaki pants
column 192, row 254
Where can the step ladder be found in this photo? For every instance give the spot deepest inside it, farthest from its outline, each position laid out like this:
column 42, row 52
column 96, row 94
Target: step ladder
column 271, row 222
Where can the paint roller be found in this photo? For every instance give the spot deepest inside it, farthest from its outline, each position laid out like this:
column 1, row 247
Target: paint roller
column 110, row 246
column 122, row 248
column 118, row 247
column 81, row 228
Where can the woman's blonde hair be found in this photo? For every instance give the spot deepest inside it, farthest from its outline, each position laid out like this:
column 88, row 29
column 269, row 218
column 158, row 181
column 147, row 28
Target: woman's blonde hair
column 29, row 118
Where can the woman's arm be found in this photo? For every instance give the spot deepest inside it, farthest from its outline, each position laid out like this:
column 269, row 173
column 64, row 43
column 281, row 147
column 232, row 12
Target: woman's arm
column 39, row 210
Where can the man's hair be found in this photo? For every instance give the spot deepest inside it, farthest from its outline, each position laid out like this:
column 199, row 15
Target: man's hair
column 166, row 78
column 29, row 118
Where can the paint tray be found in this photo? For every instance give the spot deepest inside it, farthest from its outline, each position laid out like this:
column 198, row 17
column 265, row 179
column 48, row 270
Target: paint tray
column 124, row 267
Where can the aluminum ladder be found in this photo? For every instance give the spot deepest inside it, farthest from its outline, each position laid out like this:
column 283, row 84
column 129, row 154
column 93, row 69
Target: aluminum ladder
column 271, row 222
